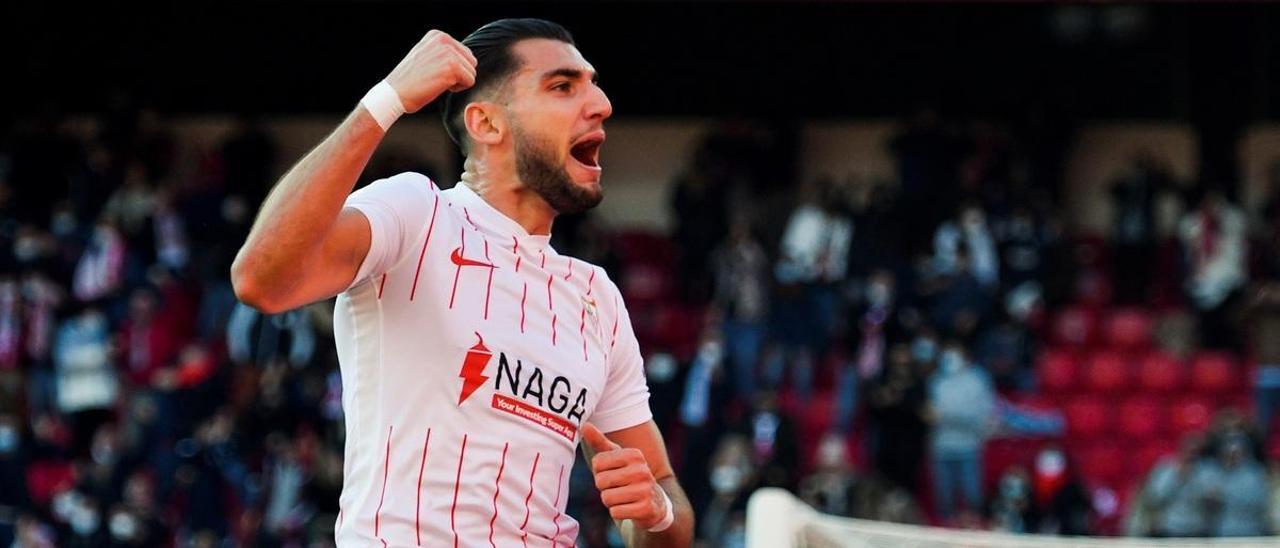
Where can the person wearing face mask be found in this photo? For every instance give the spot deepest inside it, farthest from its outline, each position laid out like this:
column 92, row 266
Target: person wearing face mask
column 1059, row 503
column 962, row 413
column 924, row 350
column 830, row 487
column 1009, row 507
column 732, row 477
column 877, row 325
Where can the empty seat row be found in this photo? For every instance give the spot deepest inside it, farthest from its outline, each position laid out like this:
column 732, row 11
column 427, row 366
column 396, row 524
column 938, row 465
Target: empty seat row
column 1106, row 372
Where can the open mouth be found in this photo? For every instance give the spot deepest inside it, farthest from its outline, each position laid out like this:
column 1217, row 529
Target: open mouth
column 587, row 151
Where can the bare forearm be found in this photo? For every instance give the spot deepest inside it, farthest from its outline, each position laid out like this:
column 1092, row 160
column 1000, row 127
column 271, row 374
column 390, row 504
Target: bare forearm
column 301, row 210
column 678, row 535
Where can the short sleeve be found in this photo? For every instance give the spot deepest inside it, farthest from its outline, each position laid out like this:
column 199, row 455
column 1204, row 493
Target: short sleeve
column 625, row 402
column 397, row 208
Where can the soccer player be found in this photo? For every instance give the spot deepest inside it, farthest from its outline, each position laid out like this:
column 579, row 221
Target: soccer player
column 474, row 357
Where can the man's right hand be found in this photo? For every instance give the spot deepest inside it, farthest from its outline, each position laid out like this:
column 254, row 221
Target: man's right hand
column 436, row 64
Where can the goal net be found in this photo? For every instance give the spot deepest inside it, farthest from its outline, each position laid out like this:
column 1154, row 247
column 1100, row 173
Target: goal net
column 777, row 519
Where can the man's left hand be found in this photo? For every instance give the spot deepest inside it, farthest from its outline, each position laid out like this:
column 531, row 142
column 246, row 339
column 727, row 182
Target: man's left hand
column 627, row 486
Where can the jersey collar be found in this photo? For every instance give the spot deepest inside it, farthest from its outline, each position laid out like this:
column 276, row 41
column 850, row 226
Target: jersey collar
column 495, row 223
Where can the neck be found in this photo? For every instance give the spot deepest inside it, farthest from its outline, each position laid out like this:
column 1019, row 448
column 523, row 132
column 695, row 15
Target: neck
column 503, row 190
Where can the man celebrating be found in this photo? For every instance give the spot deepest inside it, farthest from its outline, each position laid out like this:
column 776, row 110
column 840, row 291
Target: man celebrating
column 474, row 356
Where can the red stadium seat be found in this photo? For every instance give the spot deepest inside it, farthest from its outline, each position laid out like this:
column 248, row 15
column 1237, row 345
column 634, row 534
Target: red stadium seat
column 1106, row 372
column 1075, row 326
column 1057, row 373
column 1214, row 373
column 646, row 282
column 1101, row 463
column 641, row 246
column 677, row 326
column 1190, row 414
column 1141, row 418
column 1128, row 329
column 1087, row 417
column 1159, row 372
column 1147, row 455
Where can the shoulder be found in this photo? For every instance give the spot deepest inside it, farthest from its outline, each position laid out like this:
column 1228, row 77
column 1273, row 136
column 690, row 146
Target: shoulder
column 402, row 186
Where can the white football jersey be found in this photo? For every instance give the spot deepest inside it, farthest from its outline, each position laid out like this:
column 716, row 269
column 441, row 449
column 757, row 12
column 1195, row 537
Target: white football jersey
column 471, row 354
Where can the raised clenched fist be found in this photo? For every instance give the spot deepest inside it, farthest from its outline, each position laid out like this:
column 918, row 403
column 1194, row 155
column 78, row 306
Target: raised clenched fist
column 436, row 64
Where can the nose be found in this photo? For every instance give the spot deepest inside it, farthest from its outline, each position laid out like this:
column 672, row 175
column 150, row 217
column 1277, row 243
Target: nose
column 599, row 107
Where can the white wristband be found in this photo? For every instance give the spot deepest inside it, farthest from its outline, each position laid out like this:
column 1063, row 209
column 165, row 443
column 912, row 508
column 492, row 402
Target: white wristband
column 383, row 103
column 666, row 520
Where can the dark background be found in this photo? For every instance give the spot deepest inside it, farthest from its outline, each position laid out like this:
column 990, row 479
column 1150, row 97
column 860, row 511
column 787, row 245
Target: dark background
column 1211, row 65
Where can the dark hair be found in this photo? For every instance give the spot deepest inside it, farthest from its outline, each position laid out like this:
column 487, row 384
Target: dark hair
column 495, row 62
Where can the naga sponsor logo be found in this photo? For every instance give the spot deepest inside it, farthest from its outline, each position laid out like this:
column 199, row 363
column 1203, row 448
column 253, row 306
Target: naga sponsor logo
column 524, row 390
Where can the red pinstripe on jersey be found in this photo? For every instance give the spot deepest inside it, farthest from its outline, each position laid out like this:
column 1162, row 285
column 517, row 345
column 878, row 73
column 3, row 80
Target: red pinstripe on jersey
column 551, row 306
column 524, row 296
column 497, row 488
column 515, row 249
column 377, row 515
column 417, row 509
column 382, row 284
column 453, row 509
column 525, row 534
column 555, row 539
column 488, row 288
column 431, row 227
column 582, row 327
column 616, row 306
column 582, row 330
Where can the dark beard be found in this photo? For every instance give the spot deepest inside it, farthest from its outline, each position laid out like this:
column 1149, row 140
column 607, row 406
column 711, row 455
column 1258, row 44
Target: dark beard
column 539, row 172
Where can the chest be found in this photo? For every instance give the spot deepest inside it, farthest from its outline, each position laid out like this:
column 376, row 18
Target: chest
column 513, row 331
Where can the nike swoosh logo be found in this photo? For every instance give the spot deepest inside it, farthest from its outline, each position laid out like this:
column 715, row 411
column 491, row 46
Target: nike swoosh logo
column 459, row 260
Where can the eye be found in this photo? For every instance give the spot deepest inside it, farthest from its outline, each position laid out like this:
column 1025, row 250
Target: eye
column 561, row 86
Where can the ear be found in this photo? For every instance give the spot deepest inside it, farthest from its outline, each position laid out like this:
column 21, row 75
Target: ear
column 485, row 122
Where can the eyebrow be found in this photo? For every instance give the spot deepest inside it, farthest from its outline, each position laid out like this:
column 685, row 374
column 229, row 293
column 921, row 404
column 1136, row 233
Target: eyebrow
column 570, row 73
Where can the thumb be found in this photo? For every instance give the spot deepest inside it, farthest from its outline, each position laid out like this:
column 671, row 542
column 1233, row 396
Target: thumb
column 595, row 439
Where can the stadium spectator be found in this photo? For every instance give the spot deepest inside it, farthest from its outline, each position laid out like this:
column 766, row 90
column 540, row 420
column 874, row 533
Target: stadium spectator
column 1179, row 492
column 830, row 488
column 1060, row 503
column 1133, row 226
column 896, row 408
column 700, row 209
column 962, row 415
column 741, row 297
column 813, row 261
column 968, row 235
column 1241, row 494
column 1213, row 237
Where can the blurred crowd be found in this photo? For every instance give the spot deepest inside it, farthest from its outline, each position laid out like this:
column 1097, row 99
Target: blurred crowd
column 856, row 341
column 864, row 344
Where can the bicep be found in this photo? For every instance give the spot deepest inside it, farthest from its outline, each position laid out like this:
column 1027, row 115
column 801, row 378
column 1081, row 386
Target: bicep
column 338, row 261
